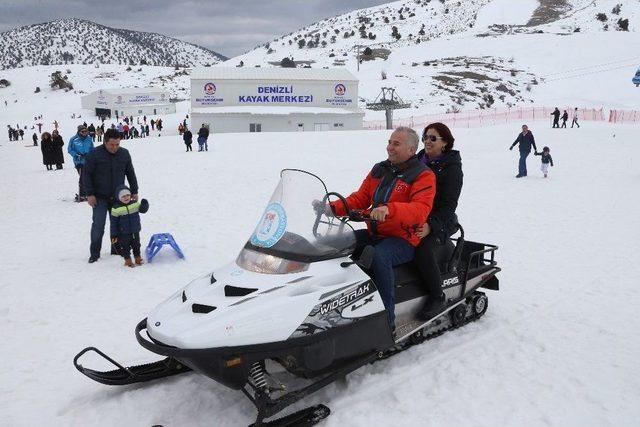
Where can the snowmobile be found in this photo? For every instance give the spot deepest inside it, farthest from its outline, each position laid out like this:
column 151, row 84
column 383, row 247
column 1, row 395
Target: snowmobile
column 296, row 311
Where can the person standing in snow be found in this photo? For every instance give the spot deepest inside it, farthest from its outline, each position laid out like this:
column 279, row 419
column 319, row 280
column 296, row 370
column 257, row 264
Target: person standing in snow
column 203, row 136
column 565, row 117
column 124, row 219
column 46, row 146
column 575, row 118
column 105, row 170
column 58, row 143
column 556, row 118
column 79, row 146
column 546, row 160
column 34, row 137
column 187, row 137
column 21, row 133
column 526, row 141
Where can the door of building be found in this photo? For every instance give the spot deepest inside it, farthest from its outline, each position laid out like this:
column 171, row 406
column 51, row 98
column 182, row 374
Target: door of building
column 255, row 127
column 320, row 126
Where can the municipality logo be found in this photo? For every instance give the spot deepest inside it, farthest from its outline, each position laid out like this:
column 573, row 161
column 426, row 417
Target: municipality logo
column 210, row 88
column 340, row 89
column 271, row 227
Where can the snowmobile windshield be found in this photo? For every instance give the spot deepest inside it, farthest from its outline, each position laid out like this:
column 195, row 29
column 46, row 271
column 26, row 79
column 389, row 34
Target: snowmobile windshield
column 293, row 230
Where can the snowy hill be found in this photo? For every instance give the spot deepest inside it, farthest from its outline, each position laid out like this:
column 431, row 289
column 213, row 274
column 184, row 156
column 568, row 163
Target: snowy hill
column 451, row 55
column 76, row 41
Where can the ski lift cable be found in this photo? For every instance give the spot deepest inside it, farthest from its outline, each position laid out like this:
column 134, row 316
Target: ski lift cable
column 629, row 60
column 586, row 74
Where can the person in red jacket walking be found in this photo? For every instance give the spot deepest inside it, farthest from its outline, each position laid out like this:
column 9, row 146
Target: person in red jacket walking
column 398, row 195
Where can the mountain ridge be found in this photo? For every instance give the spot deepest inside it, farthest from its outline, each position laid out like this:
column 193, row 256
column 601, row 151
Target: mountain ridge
column 80, row 41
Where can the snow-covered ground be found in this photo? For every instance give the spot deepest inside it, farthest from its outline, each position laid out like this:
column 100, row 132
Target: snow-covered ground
column 557, row 347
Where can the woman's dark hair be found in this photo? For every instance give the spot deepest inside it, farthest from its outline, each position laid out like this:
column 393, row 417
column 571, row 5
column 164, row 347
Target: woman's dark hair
column 443, row 131
column 47, row 134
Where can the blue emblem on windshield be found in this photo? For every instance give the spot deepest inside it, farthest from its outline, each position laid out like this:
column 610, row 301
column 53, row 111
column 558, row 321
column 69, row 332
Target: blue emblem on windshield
column 271, row 227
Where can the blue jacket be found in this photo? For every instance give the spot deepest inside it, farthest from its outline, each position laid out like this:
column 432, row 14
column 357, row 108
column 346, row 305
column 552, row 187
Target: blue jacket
column 525, row 141
column 79, row 147
column 125, row 219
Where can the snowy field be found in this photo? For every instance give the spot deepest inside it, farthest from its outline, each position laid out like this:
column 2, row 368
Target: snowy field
column 558, row 347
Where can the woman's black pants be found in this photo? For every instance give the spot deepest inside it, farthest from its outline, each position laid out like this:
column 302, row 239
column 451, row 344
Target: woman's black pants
column 426, row 260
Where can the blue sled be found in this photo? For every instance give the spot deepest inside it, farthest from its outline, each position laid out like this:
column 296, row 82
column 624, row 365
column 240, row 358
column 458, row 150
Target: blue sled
column 157, row 241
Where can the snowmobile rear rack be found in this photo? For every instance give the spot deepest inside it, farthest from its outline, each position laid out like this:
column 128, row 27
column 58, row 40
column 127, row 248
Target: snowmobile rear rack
column 133, row 374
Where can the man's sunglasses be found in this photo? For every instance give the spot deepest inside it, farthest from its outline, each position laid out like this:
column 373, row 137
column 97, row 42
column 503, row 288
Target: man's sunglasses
column 431, row 138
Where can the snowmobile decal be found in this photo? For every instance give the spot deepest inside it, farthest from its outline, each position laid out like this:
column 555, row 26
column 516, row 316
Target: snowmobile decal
column 272, row 226
column 328, row 314
column 345, row 298
column 450, row 282
column 365, row 302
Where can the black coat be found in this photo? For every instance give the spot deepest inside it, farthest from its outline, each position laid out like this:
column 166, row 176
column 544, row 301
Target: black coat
column 525, row 141
column 58, row 156
column 103, row 172
column 448, row 170
column 203, row 132
column 187, row 137
column 46, row 145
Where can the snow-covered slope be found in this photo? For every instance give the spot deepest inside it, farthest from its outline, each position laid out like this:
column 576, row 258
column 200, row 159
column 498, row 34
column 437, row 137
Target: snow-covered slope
column 453, row 55
column 76, row 41
column 557, row 347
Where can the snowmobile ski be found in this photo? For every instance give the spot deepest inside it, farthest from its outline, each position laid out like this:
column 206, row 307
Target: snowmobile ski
column 132, row 374
column 304, row 418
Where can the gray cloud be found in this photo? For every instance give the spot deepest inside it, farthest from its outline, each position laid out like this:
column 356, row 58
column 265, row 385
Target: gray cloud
column 228, row 27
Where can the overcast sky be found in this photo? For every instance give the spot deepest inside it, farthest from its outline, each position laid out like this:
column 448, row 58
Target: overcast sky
column 228, row 27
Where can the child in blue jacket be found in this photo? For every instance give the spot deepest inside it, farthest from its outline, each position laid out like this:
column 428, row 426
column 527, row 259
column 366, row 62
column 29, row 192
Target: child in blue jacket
column 125, row 225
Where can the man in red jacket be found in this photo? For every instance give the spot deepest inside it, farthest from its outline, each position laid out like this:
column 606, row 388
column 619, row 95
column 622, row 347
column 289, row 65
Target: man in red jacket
column 398, row 195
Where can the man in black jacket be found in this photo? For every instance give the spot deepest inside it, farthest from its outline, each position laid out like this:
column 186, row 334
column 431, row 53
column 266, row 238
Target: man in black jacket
column 187, row 137
column 203, row 135
column 556, row 118
column 104, row 170
column 526, row 140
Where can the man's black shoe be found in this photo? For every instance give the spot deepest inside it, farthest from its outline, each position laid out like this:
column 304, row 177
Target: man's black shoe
column 519, row 176
column 432, row 307
column 93, row 259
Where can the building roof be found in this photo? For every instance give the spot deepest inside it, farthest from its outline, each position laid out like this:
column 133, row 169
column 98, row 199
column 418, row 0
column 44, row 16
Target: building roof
column 254, row 73
column 273, row 110
column 130, row 90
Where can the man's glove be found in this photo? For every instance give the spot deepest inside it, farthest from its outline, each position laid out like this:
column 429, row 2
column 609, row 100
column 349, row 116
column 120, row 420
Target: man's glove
column 511, row 148
column 114, row 240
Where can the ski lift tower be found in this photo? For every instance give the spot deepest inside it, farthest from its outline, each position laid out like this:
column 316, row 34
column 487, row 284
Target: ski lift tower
column 388, row 101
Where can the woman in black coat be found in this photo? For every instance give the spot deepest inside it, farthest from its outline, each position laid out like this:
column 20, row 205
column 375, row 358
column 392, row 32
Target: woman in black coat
column 442, row 221
column 58, row 144
column 46, row 146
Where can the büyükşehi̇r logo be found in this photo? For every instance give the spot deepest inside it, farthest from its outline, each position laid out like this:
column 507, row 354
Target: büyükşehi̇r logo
column 209, row 88
column 340, row 89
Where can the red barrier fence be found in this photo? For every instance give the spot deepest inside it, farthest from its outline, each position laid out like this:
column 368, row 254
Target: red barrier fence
column 624, row 116
column 490, row 117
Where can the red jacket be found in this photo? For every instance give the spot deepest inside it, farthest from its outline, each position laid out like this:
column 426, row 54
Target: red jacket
column 407, row 190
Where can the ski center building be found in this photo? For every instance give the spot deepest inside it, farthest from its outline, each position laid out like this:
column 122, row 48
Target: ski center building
column 128, row 102
column 274, row 99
